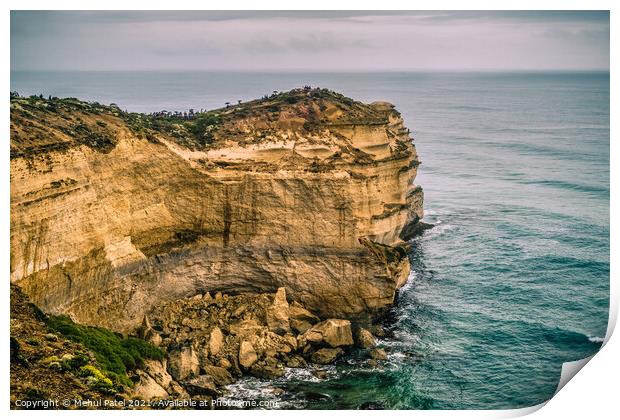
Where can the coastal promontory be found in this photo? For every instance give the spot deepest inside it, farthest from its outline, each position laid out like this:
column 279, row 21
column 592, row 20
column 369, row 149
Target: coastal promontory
column 115, row 214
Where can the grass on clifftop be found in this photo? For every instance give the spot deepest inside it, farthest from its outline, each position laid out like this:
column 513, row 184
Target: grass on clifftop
column 41, row 124
column 115, row 355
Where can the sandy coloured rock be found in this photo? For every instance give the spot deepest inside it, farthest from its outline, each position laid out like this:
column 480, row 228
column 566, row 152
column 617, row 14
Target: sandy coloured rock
column 216, row 340
column 225, row 363
column 301, row 319
column 247, row 354
column 269, row 368
column 147, row 388
column 378, row 354
column 183, row 362
column 365, row 339
column 333, row 332
column 201, row 385
column 278, row 313
column 219, row 375
column 325, row 356
column 157, row 370
column 308, row 190
column 296, row 361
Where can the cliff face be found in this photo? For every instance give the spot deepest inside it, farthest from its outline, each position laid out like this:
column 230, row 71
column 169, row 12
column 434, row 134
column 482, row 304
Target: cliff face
column 113, row 214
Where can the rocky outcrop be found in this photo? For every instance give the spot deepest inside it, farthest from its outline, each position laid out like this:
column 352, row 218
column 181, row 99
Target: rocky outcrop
column 216, row 341
column 301, row 320
column 220, row 376
column 247, row 342
column 247, row 346
column 331, row 332
column 240, row 325
column 378, row 354
column 201, row 386
column 147, row 388
column 326, row 355
column 247, row 354
column 183, row 362
column 114, row 214
column 365, row 339
column 278, row 313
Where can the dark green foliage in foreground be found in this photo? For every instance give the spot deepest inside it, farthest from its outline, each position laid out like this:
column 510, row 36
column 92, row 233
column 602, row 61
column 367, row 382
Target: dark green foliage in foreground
column 115, row 355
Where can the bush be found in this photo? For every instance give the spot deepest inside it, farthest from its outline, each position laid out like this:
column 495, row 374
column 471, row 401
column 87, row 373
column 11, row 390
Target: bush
column 291, row 99
column 202, row 125
column 115, row 355
column 74, row 362
column 52, row 362
column 96, row 378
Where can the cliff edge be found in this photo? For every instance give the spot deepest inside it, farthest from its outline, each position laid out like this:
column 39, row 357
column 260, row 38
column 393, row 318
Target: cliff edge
column 114, row 214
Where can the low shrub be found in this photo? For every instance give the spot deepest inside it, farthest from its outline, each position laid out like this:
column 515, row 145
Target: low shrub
column 115, row 355
column 96, row 379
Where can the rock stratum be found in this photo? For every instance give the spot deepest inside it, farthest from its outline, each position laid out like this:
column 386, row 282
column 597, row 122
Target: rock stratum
column 114, row 214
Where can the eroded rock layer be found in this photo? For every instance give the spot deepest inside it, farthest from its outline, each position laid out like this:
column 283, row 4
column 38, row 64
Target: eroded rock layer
column 113, row 214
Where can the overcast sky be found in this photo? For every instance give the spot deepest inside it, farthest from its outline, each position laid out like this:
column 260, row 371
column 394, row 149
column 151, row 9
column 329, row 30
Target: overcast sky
column 321, row 41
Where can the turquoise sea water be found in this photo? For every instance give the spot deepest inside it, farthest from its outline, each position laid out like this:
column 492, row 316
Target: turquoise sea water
column 513, row 280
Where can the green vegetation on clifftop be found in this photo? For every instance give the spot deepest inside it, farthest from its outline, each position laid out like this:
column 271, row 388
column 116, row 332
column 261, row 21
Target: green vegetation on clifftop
column 70, row 122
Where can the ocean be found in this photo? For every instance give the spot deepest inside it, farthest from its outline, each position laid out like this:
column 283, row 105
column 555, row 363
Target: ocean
column 511, row 282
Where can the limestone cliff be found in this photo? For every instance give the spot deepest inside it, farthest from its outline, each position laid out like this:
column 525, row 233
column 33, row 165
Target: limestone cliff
column 113, row 214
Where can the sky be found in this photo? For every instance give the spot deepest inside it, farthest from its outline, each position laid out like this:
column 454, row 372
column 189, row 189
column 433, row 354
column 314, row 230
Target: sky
column 309, row 41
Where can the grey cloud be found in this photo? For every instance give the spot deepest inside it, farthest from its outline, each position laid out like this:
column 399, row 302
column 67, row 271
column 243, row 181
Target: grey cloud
column 318, row 40
column 306, row 44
